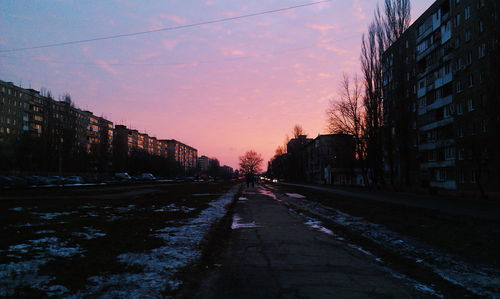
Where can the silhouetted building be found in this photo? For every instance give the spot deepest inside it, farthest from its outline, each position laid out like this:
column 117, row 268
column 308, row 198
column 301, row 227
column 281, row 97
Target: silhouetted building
column 330, row 159
column 441, row 99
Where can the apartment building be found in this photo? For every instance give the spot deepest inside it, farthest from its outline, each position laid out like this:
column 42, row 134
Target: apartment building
column 329, row 159
column 185, row 155
column 441, row 108
column 21, row 111
column 40, row 133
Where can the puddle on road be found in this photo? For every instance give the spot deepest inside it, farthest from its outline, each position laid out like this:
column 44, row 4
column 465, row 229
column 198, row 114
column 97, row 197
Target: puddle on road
column 237, row 223
column 266, row 192
column 295, row 195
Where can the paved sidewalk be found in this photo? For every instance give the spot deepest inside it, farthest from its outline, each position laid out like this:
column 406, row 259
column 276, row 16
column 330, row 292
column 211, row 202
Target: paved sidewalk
column 456, row 206
column 273, row 254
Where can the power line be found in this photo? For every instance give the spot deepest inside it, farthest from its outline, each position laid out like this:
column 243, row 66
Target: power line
column 163, row 29
column 185, row 63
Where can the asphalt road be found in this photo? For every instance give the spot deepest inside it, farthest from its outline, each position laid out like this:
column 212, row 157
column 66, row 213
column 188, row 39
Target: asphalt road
column 272, row 253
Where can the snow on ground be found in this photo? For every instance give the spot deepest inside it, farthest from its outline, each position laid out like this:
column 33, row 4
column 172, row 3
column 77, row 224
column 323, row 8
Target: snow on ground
column 182, row 240
column 480, row 279
column 181, row 247
column 90, row 233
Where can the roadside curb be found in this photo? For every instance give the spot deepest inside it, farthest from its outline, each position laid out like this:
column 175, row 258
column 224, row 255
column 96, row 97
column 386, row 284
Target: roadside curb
column 212, row 246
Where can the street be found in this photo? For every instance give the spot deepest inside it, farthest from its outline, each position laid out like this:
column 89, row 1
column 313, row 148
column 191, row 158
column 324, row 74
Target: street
column 276, row 253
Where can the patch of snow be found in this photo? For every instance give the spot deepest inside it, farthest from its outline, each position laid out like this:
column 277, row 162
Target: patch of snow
column 316, row 224
column 91, row 233
column 295, row 195
column 18, row 209
column 242, row 199
column 50, row 216
column 181, row 247
column 237, row 223
column 46, row 231
column 19, row 248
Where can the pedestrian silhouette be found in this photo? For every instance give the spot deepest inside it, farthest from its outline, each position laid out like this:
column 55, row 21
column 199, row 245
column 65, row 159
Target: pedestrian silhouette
column 250, row 179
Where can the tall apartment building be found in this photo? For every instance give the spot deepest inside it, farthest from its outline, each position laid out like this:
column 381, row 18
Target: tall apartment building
column 40, row 133
column 185, row 155
column 441, row 98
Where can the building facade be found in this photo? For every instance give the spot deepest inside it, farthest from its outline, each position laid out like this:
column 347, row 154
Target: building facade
column 38, row 133
column 441, row 107
column 329, row 159
column 181, row 153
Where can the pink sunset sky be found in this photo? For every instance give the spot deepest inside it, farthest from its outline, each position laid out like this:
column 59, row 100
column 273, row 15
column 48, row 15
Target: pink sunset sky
column 223, row 88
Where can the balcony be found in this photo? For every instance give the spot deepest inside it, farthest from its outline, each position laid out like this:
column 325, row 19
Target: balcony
column 449, row 185
column 437, row 124
column 436, row 144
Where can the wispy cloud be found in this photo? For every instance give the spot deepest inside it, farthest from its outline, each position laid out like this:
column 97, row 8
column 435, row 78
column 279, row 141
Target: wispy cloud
column 169, row 44
column 322, row 28
column 232, row 52
column 173, row 18
column 358, row 11
column 325, row 75
column 107, row 67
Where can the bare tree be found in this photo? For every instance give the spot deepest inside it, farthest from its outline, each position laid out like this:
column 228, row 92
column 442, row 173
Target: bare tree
column 251, row 162
column 382, row 32
column 345, row 115
column 397, row 19
column 298, row 131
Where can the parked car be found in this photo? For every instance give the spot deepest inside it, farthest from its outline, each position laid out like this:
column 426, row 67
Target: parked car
column 74, row 180
column 123, row 176
column 41, row 180
column 56, row 180
column 148, row 177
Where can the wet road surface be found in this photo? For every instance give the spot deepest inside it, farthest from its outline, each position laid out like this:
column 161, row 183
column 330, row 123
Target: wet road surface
column 273, row 253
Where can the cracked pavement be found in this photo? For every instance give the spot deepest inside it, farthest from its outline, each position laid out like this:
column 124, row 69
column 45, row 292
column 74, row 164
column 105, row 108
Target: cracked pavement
column 273, row 254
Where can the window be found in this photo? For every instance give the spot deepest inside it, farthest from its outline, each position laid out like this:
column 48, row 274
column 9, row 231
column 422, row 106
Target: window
column 470, row 80
column 482, row 77
column 460, row 176
column 468, row 12
column 458, row 86
column 431, row 156
column 481, row 26
column 460, row 109
column 469, row 58
column 473, row 176
column 484, row 126
column 468, row 36
column 470, row 105
column 461, row 154
column 482, row 50
column 458, row 18
column 449, row 153
column 460, row 131
column 481, row 3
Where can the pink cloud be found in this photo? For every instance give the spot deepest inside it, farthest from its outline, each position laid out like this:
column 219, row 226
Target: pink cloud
column 358, row 10
column 322, row 28
column 173, row 18
column 233, row 52
column 107, row 67
column 169, row 44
